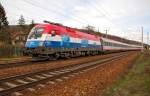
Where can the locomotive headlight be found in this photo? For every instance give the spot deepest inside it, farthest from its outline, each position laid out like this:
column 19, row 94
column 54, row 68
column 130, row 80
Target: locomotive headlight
column 41, row 43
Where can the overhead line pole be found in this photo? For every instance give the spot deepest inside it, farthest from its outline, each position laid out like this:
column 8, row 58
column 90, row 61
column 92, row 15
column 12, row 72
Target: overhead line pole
column 142, row 40
column 106, row 32
column 147, row 40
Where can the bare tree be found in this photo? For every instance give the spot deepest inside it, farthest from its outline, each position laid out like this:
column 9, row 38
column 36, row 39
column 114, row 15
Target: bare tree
column 21, row 21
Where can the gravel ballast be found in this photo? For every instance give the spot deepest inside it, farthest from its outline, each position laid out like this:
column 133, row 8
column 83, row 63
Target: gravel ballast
column 90, row 83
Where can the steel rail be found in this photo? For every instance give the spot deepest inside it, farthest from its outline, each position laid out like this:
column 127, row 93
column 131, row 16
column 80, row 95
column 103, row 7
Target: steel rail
column 6, row 87
column 30, row 62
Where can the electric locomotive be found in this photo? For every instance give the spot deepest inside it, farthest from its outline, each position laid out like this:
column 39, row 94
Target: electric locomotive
column 54, row 40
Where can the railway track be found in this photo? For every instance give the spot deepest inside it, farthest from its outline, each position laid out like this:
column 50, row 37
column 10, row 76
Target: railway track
column 20, row 82
column 23, row 63
column 29, row 62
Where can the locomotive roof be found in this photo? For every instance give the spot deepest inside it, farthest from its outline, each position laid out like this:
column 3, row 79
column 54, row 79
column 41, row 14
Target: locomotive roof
column 69, row 29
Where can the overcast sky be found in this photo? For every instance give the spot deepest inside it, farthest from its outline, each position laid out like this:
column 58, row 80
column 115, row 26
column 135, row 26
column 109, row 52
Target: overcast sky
column 121, row 17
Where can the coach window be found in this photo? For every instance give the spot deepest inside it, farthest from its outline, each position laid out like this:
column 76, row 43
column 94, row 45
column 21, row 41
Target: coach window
column 53, row 32
column 110, row 44
column 106, row 43
column 116, row 45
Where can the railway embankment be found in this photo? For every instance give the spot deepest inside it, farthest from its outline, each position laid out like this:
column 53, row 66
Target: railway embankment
column 89, row 83
column 136, row 82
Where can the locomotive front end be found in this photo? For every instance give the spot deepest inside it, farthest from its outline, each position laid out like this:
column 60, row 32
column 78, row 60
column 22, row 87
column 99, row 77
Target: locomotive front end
column 35, row 38
column 35, row 41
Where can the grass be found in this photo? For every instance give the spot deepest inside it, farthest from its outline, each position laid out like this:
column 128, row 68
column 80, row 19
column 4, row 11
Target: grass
column 136, row 82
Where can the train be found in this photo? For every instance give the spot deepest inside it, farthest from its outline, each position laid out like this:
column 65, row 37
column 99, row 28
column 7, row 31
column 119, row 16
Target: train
column 53, row 40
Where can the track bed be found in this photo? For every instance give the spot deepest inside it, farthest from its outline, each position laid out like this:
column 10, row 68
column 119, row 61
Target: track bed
column 36, row 78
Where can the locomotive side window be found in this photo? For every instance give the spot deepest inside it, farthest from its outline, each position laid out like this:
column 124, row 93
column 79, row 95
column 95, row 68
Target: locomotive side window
column 36, row 33
column 53, row 32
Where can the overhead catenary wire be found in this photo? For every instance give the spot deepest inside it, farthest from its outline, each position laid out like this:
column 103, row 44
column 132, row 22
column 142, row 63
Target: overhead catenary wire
column 54, row 11
column 60, row 6
column 23, row 12
column 106, row 14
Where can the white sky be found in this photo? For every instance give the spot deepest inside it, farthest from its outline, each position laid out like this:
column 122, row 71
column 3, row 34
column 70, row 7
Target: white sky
column 121, row 17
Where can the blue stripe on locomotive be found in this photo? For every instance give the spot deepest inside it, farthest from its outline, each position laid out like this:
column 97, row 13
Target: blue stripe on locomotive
column 58, row 44
column 33, row 44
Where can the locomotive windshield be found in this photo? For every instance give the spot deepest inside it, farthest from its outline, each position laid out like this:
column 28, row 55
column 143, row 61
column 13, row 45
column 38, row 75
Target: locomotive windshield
column 36, row 33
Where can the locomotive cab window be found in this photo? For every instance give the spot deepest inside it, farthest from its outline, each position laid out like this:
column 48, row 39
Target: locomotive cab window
column 36, row 33
column 53, row 32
